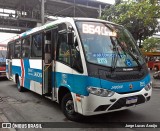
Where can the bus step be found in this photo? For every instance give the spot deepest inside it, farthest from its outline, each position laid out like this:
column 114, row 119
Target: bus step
column 49, row 97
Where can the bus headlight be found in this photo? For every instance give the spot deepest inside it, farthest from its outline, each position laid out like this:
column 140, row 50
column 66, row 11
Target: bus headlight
column 148, row 86
column 100, row 91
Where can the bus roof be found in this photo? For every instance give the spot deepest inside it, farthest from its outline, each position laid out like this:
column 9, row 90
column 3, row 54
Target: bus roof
column 93, row 19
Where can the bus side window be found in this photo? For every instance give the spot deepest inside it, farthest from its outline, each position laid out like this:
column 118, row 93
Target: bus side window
column 36, row 46
column 10, row 51
column 26, row 47
column 17, row 49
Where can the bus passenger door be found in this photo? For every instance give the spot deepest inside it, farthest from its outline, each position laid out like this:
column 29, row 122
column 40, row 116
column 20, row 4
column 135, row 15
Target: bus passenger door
column 49, row 64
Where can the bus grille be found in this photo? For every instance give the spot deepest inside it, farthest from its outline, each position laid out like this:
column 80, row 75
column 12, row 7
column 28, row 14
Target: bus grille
column 119, row 77
column 122, row 76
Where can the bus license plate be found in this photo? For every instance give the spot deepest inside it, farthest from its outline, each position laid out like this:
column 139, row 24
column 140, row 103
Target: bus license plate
column 131, row 100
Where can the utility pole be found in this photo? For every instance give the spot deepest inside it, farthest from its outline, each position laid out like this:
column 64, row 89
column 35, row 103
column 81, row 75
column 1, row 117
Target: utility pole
column 42, row 11
column 100, row 10
column 74, row 8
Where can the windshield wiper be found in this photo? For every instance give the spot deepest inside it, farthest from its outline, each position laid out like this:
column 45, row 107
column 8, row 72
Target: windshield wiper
column 136, row 59
column 115, row 57
column 132, row 55
column 116, row 52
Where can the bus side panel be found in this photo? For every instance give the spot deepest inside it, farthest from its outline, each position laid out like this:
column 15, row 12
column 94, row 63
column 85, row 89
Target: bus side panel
column 30, row 72
column 62, row 76
column 76, row 82
column 16, row 67
column 25, row 67
column 33, row 72
column 33, row 75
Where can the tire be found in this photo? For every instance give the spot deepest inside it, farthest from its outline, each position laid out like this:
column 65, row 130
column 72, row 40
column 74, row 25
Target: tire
column 19, row 87
column 67, row 106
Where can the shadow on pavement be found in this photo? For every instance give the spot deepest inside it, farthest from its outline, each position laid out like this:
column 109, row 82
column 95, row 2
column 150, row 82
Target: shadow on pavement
column 3, row 79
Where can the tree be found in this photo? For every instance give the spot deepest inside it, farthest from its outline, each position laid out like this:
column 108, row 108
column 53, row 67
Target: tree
column 151, row 44
column 140, row 18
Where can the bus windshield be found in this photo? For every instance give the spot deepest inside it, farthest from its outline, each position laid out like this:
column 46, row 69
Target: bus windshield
column 106, row 44
column 3, row 51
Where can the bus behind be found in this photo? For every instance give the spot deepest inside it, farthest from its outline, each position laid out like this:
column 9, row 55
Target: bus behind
column 3, row 50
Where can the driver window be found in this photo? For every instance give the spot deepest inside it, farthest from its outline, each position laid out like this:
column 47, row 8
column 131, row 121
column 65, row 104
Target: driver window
column 68, row 53
column 63, row 49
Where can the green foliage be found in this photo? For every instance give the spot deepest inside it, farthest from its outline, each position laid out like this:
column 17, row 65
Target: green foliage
column 151, row 44
column 140, row 18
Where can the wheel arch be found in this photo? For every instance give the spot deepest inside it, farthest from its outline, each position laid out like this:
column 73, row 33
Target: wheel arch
column 62, row 91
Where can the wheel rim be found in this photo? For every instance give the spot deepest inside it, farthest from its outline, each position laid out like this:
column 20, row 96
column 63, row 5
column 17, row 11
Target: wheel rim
column 70, row 107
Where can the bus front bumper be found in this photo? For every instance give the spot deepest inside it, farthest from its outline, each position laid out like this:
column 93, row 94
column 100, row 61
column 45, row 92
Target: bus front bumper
column 93, row 105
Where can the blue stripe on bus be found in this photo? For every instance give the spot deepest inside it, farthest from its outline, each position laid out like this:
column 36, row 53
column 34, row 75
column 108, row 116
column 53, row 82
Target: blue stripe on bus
column 125, row 86
column 76, row 83
column 29, row 75
column 79, row 83
column 26, row 76
column 16, row 70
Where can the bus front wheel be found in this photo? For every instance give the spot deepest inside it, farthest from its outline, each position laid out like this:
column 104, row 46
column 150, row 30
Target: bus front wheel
column 67, row 106
column 19, row 87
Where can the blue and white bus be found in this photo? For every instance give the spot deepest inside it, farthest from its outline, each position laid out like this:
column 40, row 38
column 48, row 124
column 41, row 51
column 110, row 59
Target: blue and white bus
column 88, row 66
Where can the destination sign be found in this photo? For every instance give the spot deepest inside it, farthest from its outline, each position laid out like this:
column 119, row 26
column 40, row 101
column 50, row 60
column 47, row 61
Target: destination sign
column 97, row 29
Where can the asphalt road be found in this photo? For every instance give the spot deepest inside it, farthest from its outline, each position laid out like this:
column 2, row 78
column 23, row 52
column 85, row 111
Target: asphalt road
column 31, row 107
